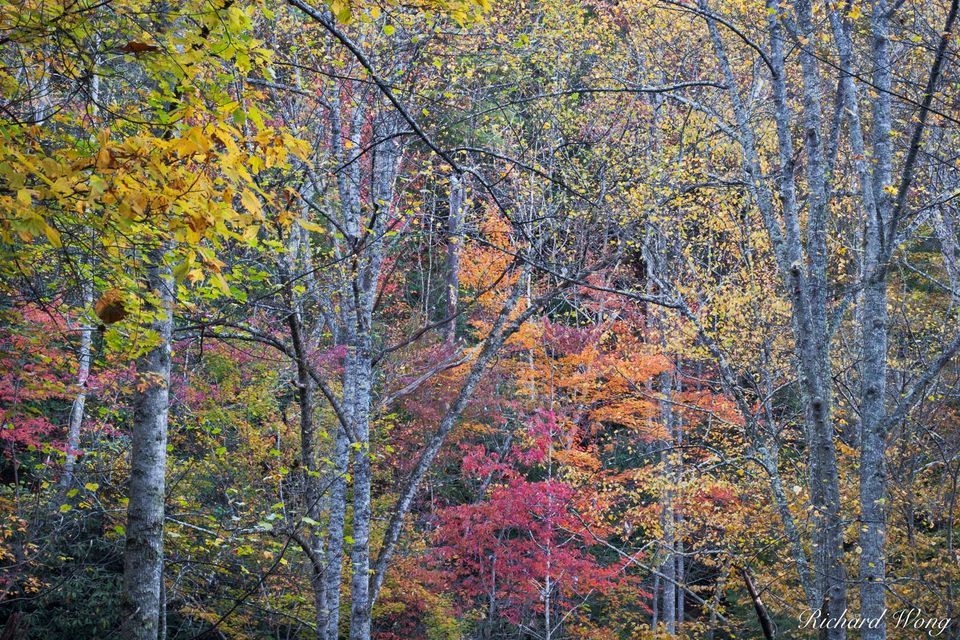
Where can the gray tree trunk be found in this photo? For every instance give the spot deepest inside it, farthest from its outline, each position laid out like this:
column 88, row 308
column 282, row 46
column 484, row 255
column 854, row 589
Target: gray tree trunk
column 802, row 267
column 348, row 182
column 360, row 605
column 830, row 543
column 143, row 554
column 365, row 286
column 873, row 468
column 454, row 245
column 668, row 517
column 334, row 534
column 873, row 319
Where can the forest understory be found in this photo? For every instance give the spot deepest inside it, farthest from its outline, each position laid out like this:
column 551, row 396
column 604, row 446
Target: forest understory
column 463, row 320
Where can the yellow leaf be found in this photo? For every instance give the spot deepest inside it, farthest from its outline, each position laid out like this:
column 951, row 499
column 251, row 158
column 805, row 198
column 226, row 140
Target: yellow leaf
column 52, row 235
column 250, row 232
column 312, row 226
column 250, row 202
column 221, row 283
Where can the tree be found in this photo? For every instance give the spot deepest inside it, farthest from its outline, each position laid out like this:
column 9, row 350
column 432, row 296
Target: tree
column 564, row 319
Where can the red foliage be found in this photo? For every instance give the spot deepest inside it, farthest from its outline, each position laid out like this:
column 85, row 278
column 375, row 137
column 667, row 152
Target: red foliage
column 35, row 370
column 522, row 537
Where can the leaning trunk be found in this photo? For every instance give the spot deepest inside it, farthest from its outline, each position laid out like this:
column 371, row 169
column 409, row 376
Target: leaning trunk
column 766, row 624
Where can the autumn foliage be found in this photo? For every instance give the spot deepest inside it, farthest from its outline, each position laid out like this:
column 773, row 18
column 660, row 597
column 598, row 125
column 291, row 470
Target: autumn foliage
column 451, row 319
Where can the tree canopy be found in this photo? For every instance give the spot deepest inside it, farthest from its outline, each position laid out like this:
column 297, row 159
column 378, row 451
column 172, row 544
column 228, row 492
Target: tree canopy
column 452, row 319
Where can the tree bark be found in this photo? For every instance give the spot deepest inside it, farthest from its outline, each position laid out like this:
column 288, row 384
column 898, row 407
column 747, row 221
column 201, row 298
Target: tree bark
column 820, row 375
column 348, row 182
column 310, row 475
column 86, row 342
column 454, row 245
column 143, row 555
column 805, row 288
column 668, row 517
column 334, row 535
column 79, row 402
column 365, row 286
column 766, row 624
column 360, row 604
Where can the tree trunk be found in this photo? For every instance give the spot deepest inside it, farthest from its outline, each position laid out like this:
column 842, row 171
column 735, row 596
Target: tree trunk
column 360, row 605
column 86, row 342
column 79, row 402
column 817, row 293
column 335, row 528
column 655, row 609
column 873, row 321
column 454, row 245
column 341, row 462
column 872, row 458
column 766, row 624
column 668, row 517
column 348, row 182
column 310, row 476
column 143, row 555
column 366, row 282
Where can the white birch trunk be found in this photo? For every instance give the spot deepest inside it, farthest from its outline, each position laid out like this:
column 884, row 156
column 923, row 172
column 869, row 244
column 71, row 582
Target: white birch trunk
column 80, row 401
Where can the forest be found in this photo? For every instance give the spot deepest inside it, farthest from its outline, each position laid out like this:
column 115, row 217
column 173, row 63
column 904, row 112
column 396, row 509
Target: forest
column 478, row 320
